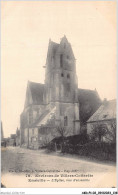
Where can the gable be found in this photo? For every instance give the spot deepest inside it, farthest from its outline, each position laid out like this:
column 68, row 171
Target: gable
column 34, row 94
column 37, row 91
column 52, row 49
column 106, row 111
column 28, row 98
column 66, row 47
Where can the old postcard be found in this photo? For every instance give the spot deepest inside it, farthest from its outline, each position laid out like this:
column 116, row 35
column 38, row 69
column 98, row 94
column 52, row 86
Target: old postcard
column 58, row 87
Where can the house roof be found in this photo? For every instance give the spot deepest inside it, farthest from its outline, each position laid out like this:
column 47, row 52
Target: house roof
column 105, row 112
column 89, row 102
column 37, row 90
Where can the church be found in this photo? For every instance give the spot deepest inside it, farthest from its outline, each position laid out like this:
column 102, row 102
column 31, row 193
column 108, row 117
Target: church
column 58, row 102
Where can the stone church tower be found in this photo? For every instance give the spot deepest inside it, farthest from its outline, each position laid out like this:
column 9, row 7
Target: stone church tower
column 61, row 84
column 58, row 102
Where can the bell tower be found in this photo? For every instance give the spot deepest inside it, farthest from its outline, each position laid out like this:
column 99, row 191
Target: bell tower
column 60, row 79
column 61, row 84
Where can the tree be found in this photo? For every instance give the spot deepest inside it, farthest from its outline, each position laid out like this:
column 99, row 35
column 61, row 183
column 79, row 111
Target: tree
column 106, row 130
column 111, row 131
column 63, row 132
column 98, row 131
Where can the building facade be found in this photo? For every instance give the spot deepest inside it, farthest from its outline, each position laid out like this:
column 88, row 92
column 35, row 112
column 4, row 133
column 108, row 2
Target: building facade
column 58, row 102
column 104, row 119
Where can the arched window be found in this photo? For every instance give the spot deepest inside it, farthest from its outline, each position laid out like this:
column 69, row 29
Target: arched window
column 62, row 75
column 68, row 57
column 68, row 76
column 65, row 121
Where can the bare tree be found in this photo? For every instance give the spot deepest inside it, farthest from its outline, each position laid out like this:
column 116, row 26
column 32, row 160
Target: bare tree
column 98, row 131
column 107, row 130
column 63, row 132
column 111, row 131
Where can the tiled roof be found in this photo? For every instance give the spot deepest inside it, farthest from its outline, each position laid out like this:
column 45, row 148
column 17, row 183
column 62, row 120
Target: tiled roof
column 37, row 90
column 89, row 102
column 105, row 112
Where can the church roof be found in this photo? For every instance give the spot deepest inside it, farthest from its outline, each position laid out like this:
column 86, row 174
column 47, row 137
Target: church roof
column 89, row 102
column 37, row 90
column 106, row 111
column 46, row 119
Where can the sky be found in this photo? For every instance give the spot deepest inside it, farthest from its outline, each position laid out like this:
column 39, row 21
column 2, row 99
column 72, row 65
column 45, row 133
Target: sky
column 26, row 27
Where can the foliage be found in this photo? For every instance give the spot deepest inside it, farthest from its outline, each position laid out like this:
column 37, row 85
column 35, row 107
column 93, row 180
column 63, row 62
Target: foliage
column 98, row 150
column 98, row 131
column 68, row 142
column 62, row 131
column 111, row 131
column 78, row 139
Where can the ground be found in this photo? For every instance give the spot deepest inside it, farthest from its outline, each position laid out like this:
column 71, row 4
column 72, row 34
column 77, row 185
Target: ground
column 36, row 168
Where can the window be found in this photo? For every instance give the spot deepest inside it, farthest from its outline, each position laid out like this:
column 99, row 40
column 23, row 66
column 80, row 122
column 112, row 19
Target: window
column 68, row 76
column 65, row 121
column 68, row 57
column 62, row 75
column 32, row 131
column 61, row 60
column 64, row 45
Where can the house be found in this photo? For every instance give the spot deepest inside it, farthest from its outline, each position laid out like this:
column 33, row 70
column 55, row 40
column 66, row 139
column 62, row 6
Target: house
column 58, row 102
column 106, row 117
